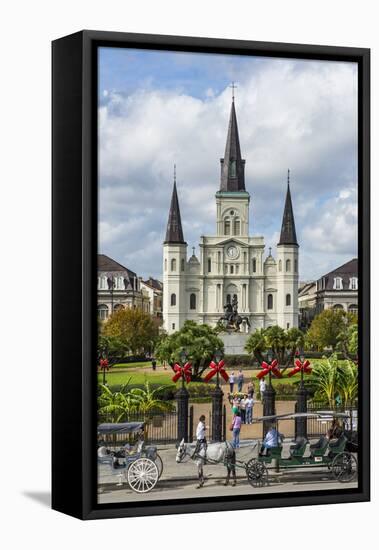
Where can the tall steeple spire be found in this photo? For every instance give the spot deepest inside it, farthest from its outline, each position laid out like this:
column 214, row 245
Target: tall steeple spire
column 232, row 165
column 288, row 232
column 174, row 232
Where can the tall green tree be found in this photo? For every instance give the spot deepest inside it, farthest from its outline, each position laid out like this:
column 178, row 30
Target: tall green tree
column 327, row 327
column 256, row 344
column 199, row 341
column 347, row 340
column 134, row 329
column 283, row 343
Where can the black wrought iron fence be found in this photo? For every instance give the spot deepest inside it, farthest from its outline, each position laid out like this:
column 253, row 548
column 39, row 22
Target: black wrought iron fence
column 159, row 427
column 210, row 434
column 318, row 427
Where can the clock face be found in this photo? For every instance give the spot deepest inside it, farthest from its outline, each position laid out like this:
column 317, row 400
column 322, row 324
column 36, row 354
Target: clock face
column 232, row 252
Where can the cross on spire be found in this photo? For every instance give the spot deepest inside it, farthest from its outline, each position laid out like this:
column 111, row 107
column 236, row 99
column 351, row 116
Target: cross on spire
column 233, row 87
column 288, row 177
column 174, row 173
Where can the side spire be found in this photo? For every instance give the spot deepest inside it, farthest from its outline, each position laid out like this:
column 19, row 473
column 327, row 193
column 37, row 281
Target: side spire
column 288, row 232
column 232, row 165
column 174, row 232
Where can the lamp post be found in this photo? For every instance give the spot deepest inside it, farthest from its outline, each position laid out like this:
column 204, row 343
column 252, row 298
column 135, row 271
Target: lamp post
column 217, row 398
column 301, row 401
column 268, row 396
column 182, row 399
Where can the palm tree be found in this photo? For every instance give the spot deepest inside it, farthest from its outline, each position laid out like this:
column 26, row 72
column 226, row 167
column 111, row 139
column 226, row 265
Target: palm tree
column 256, row 344
column 114, row 406
column 325, row 376
column 347, row 384
column 147, row 400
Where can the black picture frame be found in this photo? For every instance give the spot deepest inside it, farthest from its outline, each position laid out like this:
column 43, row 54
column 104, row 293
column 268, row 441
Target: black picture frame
column 74, row 271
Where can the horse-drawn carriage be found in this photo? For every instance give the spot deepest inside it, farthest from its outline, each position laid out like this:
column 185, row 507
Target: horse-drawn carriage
column 332, row 454
column 329, row 453
column 121, row 446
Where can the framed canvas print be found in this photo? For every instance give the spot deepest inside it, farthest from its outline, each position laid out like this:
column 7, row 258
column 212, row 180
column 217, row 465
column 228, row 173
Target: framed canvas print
column 210, row 275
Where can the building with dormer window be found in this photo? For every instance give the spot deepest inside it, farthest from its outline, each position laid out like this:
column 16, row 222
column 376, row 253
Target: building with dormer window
column 339, row 288
column 119, row 287
column 231, row 263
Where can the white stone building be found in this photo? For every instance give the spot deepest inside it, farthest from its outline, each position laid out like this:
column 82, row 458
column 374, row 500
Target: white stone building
column 232, row 263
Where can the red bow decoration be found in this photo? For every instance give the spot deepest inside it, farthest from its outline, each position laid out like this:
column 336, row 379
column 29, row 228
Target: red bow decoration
column 104, row 364
column 182, row 372
column 266, row 368
column 217, row 368
column 301, row 367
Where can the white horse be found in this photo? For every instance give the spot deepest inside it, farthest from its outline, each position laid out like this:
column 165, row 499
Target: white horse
column 215, row 453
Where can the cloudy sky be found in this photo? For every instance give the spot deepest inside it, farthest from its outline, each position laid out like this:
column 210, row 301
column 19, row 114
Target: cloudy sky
column 157, row 109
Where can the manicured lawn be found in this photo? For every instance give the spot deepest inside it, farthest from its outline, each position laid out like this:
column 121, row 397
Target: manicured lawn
column 118, row 378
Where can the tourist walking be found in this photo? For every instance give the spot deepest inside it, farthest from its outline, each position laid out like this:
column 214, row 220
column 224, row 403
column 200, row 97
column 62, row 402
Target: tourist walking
column 240, row 380
column 250, row 389
column 249, row 403
column 236, row 428
column 262, row 388
column 243, row 409
column 231, row 381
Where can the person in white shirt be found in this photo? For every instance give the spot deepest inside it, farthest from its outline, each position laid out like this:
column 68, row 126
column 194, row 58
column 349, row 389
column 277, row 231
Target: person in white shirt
column 201, row 440
column 231, row 381
column 262, row 388
column 249, row 403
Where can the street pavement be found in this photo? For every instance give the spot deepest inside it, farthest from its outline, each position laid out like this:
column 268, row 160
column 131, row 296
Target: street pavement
column 180, row 480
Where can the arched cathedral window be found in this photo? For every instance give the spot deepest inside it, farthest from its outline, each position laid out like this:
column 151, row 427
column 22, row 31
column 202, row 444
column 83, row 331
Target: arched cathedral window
column 288, row 299
column 173, row 264
column 173, row 299
column 182, row 264
column 288, row 265
column 254, row 265
column 270, row 301
column 192, row 301
column 280, row 265
column 237, row 226
column 209, row 265
column 227, row 226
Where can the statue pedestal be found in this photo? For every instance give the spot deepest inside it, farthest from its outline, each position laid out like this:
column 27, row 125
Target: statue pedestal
column 234, row 343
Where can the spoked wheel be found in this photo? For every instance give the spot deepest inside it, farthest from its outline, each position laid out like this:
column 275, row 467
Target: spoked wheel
column 159, row 464
column 257, row 473
column 142, row 475
column 344, row 467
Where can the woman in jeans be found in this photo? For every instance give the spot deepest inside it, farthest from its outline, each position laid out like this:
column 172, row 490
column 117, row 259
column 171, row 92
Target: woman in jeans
column 236, row 426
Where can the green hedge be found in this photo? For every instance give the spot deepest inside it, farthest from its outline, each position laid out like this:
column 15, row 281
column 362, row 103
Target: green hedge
column 244, row 361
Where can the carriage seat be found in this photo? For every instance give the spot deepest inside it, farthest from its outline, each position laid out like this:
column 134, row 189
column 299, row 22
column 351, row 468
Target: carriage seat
column 134, row 449
column 338, row 445
column 319, row 448
column 104, row 455
column 298, row 449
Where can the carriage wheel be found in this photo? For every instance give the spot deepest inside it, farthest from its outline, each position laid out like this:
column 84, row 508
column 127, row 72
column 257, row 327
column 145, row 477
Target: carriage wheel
column 142, row 475
column 159, row 464
column 344, row 467
column 257, row 473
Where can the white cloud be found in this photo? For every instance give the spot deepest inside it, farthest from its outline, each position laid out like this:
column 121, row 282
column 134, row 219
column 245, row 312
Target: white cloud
column 296, row 114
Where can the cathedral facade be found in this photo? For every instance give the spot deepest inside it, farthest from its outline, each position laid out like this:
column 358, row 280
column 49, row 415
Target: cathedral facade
column 232, row 266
